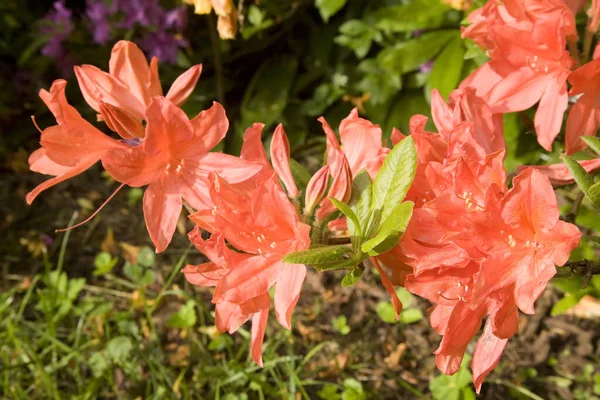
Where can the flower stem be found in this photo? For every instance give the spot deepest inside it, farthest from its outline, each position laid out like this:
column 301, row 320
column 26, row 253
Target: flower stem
column 585, row 268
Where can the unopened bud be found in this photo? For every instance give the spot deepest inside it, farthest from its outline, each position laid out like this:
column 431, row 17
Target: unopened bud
column 227, row 26
column 280, row 158
column 316, row 188
column 341, row 189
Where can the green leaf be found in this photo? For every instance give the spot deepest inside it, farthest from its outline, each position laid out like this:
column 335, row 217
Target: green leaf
column 146, row 257
column 360, row 202
column 355, row 230
column 410, row 316
column 353, row 390
column 395, row 177
column 319, row 255
column 340, row 325
column 593, row 142
column 98, row 364
column 328, row 8
column 184, row 318
column 104, row 263
column 119, row 349
column 416, row 15
column 255, row 15
column 353, row 276
column 409, row 55
column 385, row 311
column 564, row 304
column 391, row 230
column 583, row 179
column 446, row 387
column 447, row 67
column 404, row 296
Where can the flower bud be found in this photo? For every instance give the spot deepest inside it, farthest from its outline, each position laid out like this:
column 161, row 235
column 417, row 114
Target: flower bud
column 227, row 26
column 341, row 189
column 200, row 6
column 316, row 188
column 280, row 158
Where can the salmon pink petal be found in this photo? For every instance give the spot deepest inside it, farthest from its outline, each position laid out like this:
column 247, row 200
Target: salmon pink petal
column 169, row 131
column 132, row 166
column 341, row 188
column 129, row 65
column 583, row 120
column 207, row 274
column 443, row 115
column 549, row 115
column 316, row 188
column 162, row 206
column 259, row 323
column 517, row 91
column 559, row 174
column 251, row 277
column 333, row 145
column 41, row 163
column 184, row 85
column 96, row 86
column 387, row 284
column 153, row 79
column 280, row 158
column 118, row 120
column 397, row 136
column 486, row 356
column 253, row 149
column 230, row 168
column 361, row 141
column 229, row 317
column 287, row 292
column 531, row 204
column 210, row 127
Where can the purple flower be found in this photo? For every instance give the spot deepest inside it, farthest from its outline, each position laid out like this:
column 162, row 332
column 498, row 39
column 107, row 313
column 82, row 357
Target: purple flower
column 99, row 13
column 163, row 45
column 143, row 12
column 176, row 18
column 427, row 67
column 57, row 26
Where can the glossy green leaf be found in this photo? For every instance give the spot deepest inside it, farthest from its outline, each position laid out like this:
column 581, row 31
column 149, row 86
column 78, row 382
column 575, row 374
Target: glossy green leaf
column 583, row 179
column 391, row 230
column 415, row 15
column 409, row 55
column 319, row 255
column 447, row 67
column 395, row 177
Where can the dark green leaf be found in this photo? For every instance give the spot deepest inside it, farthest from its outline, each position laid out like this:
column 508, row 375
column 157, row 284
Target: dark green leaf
column 353, row 276
column 416, row 15
column 328, row 8
column 300, row 174
column 407, row 56
column 319, row 255
column 447, row 67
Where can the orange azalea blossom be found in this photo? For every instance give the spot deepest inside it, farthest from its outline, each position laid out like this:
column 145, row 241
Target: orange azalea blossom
column 174, row 159
column 122, row 95
column 70, row 147
column 474, row 248
column 559, row 174
column 584, row 117
column 523, row 73
column 258, row 219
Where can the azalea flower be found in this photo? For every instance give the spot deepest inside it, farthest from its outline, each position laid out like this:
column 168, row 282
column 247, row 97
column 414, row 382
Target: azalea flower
column 130, row 85
column 258, row 219
column 522, row 73
column 70, row 147
column 174, row 159
column 584, row 117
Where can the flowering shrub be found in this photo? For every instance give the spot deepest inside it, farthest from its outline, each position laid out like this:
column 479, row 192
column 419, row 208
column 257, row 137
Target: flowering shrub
column 434, row 210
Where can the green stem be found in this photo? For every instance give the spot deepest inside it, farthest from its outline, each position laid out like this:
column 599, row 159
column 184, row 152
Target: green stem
column 212, row 27
column 587, row 45
column 585, row 268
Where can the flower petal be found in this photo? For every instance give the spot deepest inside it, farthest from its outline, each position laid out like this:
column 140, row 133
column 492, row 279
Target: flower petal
column 162, row 206
column 280, row 158
column 287, row 292
column 259, row 323
column 184, row 85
